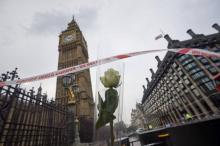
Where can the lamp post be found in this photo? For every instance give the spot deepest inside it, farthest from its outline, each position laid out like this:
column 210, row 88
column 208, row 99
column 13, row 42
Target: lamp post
column 76, row 91
column 69, row 83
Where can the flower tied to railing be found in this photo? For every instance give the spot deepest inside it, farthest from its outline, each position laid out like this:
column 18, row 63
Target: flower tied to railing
column 106, row 108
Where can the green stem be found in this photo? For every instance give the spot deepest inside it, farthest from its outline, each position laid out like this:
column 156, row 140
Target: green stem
column 112, row 133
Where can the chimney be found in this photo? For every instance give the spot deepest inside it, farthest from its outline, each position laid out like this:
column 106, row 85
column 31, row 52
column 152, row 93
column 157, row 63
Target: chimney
column 167, row 37
column 144, row 87
column 148, row 82
column 158, row 60
column 191, row 33
column 152, row 72
column 216, row 26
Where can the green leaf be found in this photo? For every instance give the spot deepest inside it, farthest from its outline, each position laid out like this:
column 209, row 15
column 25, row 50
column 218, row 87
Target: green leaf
column 107, row 108
column 111, row 100
column 104, row 118
column 100, row 102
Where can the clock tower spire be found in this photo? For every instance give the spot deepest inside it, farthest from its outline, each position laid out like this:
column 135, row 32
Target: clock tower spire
column 73, row 51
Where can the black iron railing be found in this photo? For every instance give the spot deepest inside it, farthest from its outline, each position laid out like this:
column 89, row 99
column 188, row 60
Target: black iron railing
column 28, row 118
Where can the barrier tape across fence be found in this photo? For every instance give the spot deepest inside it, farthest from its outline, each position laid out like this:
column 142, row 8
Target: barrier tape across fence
column 77, row 68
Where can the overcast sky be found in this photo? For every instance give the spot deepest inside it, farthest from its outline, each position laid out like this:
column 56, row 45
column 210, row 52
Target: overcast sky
column 29, row 34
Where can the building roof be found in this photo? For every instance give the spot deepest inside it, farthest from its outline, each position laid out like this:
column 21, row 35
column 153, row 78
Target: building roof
column 197, row 41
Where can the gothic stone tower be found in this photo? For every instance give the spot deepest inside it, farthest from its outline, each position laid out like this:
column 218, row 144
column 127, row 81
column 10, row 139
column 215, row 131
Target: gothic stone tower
column 73, row 51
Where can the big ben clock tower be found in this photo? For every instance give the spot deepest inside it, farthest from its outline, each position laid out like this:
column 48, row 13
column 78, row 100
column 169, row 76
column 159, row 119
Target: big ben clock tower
column 73, row 51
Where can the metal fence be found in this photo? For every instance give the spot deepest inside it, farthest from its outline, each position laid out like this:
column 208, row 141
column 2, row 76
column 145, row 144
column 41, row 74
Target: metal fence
column 28, row 118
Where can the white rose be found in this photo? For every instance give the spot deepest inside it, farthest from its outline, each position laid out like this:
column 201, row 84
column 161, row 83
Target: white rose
column 111, row 78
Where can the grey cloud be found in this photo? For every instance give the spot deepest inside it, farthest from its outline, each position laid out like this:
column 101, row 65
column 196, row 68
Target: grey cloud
column 54, row 22
column 2, row 3
column 87, row 18
column 48, row 22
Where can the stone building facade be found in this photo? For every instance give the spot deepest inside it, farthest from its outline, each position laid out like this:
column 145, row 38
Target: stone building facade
column 73, row 51
column 184, row 86
column 137, row 117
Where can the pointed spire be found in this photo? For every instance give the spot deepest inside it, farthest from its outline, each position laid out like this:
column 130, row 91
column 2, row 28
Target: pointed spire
column 39, row 90
column 73, row 20
column 73, row 24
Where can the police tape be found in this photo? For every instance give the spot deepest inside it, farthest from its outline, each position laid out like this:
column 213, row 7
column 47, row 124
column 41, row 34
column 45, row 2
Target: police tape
column 77, row 68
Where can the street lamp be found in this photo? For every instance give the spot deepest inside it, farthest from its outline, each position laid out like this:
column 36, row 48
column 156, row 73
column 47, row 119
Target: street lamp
column 69, row 83
column 76, row 89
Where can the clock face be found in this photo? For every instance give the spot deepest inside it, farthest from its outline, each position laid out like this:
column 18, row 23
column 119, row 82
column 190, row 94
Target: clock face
column 68, row 38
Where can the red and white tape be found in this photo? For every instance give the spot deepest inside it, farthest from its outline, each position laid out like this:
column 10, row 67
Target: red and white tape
column 77, row 68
